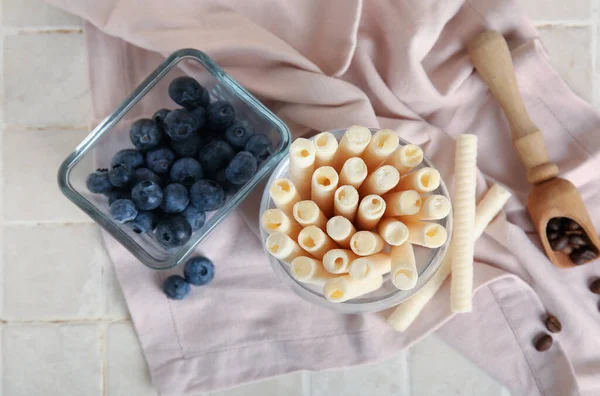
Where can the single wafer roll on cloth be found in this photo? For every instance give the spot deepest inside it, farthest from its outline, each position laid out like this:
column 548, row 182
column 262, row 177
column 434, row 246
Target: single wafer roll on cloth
column 366, row 243
column 423, row 180
column 402, row 203
column 344, row 288
column 405, row 158
column 284, row 248
column 337, row 261
column 370, row 211
column 324, row 183
column 326, row 146
column 379, row 182
column 433, row 207
column 406, row 313
column 345, row 202
column 403, row 266
column 376, row 264
column 430, row 235
column 302, row 165
column 465, row 182
column 310, row 270
column 274, row 220
column 340, row 229
column 285, row 195
column 308, row 213
column 382, row 144
column 314, row 240
column 353, row 143
column 393, row 231
column 354, row 172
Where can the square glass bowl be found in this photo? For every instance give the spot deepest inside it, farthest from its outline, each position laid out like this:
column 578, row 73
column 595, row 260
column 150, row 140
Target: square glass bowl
column 428, row 260
column 112, row 135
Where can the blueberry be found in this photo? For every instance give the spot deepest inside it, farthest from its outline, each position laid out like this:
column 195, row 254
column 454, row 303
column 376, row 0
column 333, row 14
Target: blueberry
column 159, row 116
column 176, row 288
column 175, row 198
column 215, row 155
column 147, row 195
column 186, row 171
column 227, row 186
column 194, row 216
column 259, row 145
column 199, row 115
column 118, row 193
column 144, row 222
column 180, row 125
column 207, row 195
column 173, row 231
column 238, row 133
column 188, row 147
column 145, row 134
column 187, row 92
column 121, row 175
column 241, row 168
column 220, row 115
column 131, row 157
column 123, row 210
column 160, row 160
column 98, row 182
column 143, row 174
column 199, row 271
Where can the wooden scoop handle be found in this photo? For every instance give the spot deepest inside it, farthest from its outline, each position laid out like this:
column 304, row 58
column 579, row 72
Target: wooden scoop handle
column 490, row 55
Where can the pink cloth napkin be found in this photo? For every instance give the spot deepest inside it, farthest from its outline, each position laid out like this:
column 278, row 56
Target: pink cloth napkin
column 328, row 64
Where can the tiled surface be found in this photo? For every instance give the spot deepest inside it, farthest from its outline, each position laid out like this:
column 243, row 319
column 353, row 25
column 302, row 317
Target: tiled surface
column 67, row 329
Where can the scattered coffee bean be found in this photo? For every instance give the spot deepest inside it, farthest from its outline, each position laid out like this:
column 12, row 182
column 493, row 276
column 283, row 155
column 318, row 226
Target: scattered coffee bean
column 595, row 286
column 567, row 250
column 552, row 235
column 572, row 225
column 582, row 255
column 543, row 343
column 553, row 324
column 577, row 241
column 559, row 243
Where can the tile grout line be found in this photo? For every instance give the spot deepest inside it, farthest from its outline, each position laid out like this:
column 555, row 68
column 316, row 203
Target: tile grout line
column 76, row 321
column 103, row 344
column 31, row 30
column 566, row 23
column 408, row 378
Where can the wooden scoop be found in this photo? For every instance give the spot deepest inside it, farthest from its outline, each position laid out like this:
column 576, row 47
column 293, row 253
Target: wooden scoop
column 551, row 196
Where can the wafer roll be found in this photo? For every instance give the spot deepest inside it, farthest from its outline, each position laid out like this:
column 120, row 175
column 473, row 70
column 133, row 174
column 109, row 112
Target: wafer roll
column 379, row 182
column 382, row 144
column 405, row 158
column 326, row 146
column 324, row 183
column 433, row 207
column 423, row 181
column 375, row 265
column 354, row 172
column 344, row 288
column 284, row 248
column 402, row 203
column 370, row 211
column 392, row 231
column 310, row 270
column 403, row 266
column 313, row 240
column 302, row 165
column 307, row 213
column 353, row 143
column 284, row 195
column 422, row 233
column 366, row 243
column 345, row 202
column 340, row 229
column 337, row 261
column 274, row 220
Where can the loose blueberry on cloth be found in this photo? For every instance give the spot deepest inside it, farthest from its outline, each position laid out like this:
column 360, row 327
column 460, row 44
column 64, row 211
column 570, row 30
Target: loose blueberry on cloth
column 199, row 271
column 176, row 288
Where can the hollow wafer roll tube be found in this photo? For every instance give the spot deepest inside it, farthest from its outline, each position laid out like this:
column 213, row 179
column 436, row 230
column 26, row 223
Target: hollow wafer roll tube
column 314, row 240
column 402, row 203
column 340, row 229
column 379, row 182
column 324, row 183
column 337, row 261
column 423, row 180
column 393, row 231
column 403, row 267
column 366, row 243
column 406, row 313
column 274, row 220
column 354, row 172
column 465, row 179
column 284, row 248
column 308, row 213
column 370, row 211
column 310, row 270
column 405, row 158
column 345, row 202
column 344, row 288
column 430, row 235
column 326, row 146
column 382, row 144
column 433, row 207
column 302, row 165
column 285, row 195
column 353, row 143
column 376, row 264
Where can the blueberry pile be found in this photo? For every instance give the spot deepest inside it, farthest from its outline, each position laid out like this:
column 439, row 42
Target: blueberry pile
column 198, row 271
column 184, row 164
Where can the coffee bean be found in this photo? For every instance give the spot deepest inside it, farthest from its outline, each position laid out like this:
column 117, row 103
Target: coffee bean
column 577, row 241
column 543, row 343
column 553, row 324
column 572, row 225
column 583, row 255
column 552, row 235
column 559, row 242
column 578, row 232
column 595, row 286
column 554, row 224
column 567, row 250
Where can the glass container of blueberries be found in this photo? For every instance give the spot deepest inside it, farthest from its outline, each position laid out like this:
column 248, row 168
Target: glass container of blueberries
column 174, row 159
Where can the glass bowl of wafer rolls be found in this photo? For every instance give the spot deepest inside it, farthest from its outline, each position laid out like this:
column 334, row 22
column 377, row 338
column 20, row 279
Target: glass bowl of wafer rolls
column 355, row 220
